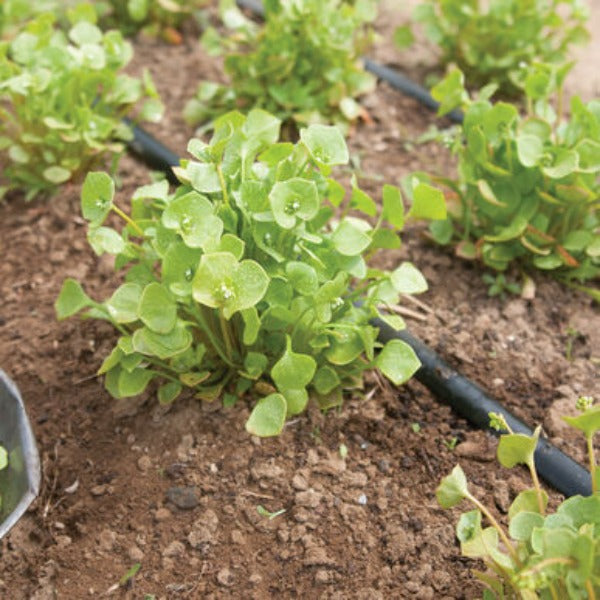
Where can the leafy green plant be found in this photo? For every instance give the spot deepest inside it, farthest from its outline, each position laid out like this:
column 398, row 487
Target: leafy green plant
column 240, row 280
column 302, row 65
column 3, row 465
column 62, row 97
column 155, row 17
column 527, row 187
column 540, row 555
column 489, row 41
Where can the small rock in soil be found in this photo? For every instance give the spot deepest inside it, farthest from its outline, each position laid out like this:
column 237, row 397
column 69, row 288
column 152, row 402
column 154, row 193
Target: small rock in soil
column 317, row 556
column 184, row 498
column 309, row 499
column 107, row 540
column 355, row 479
column 237, row 537
column 99, row 490
column 162, row 514
column 135, row 554
column 266, row 471
column 299, row 482
column 475, row 450
column 203, row 529
column 322, row 576
column 144, row 463
column 225, row 578
column 502, row 495
column 255, row 578
column 174, row 549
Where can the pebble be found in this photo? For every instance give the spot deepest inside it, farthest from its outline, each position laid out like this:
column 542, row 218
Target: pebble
column 322, row 576
column 162, row 514
column 135, row 554
column 476, row 450
column 204, row 529
column 362, row 499
column 107, row 540
column 266, row 471
column 255, row 578
column 144, row 463
column 355, row 479
column 225, row 577
column 308, row 499
column 315, row 556
column 174, row 549
column 299, row 482
column 99, row 490
column 184, row 498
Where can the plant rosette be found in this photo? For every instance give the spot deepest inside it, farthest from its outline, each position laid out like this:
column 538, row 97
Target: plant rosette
column 490, row 41
column 62, row 99
column 527, row 186
column 303, row 65
column 240, row 281
column 540, row 555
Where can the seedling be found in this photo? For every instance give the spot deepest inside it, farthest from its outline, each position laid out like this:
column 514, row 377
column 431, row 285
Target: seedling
column 499, row 285
column 451, row 443
column 62, row 98
column 239, row 282
column 343, row 451
column 540, row 555
column 263, row 512
column 302, row 65
column 490, row 41
column 416, row 428
column 527, row 187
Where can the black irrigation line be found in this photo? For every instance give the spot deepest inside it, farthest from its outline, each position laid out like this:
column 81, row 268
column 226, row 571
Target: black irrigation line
column 394, row 78
column 462, row 395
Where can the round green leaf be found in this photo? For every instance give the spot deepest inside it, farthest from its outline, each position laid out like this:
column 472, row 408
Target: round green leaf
column 268, row 416
column 407, row 279
column 397, row 361
column 146, row 341
column 453, row 488
column 97, row 194
column 134, row 382
column 192, row 217
column 292, row 200
column 349, row 240
column 123, row 305
column 302, row 277
column 428, row 203
column 168, row 392
column 56, row 174
column 517, row 448
column 157, row 309
column 293, row 371
column 326, row 144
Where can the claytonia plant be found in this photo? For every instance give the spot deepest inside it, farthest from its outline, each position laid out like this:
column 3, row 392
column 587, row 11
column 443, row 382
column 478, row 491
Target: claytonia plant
column 527, row 186
column 540, row 555
column 490, row 40
column 251, row 278
column 302, row 65
column 62, row 98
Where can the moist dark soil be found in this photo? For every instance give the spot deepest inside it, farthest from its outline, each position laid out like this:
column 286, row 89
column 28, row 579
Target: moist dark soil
column 177, row 490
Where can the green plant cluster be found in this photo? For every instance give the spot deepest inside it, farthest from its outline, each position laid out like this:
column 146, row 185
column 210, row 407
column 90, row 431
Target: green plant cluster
column 240, row 280
column 540, row 555
column 490, row 40
column 156, row 17
column 302, row 65
column 62, row 98
column 3, row 465
column 527, row 187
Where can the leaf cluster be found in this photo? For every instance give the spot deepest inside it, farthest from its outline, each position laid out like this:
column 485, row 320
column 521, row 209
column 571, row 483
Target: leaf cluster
column 155, row 17
column 527, row 186
column 540, row 555
column 489, row 41
column 303, row 64
column 239, row 281
column 62, row 98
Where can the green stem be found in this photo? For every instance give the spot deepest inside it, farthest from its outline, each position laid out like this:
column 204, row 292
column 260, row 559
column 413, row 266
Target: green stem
column 510, row 548
column 128, row 220
column 590, row 448
column 200, row 321
column 226, row 335
column 538, row 487
column 223, row 185
column 589, row 587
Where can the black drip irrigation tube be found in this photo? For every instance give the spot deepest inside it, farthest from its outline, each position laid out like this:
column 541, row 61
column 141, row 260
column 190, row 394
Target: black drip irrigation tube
column 20, row 481
column 462, row 395
column 394, row 78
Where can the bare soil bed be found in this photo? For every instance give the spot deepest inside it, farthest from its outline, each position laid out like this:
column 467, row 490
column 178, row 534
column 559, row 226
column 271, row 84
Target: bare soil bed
column 177, row 490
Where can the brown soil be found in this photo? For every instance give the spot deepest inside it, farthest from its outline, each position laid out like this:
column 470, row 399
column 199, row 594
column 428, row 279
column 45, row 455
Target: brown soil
column 177, row 490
